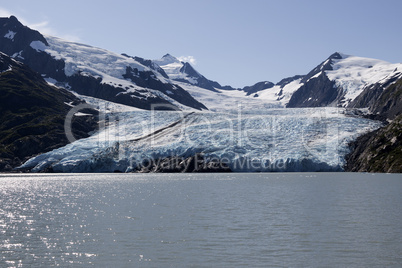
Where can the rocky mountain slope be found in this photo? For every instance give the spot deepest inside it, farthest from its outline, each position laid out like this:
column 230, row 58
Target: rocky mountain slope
column 32, row 114
column 380, row 150
column 382, row 99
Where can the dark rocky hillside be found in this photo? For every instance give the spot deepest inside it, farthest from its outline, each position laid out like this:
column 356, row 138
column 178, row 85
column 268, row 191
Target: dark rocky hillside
column 380, row 150
column 382, row 99
column 19, row 48
column 317, row 90
column 32, row 114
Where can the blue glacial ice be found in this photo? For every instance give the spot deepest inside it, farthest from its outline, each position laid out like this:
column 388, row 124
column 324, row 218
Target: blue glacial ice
column 301, row 139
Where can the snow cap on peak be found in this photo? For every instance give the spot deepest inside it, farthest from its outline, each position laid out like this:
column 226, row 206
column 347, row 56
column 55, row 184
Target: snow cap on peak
column 167, row 59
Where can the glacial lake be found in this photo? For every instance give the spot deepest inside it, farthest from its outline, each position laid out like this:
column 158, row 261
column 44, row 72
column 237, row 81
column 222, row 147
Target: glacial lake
column 201, row 220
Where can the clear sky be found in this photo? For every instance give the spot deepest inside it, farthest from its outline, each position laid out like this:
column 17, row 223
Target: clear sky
column 233, row 42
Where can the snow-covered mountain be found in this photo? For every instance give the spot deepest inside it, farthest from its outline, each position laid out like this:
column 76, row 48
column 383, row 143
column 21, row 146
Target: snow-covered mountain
column 92, row 71
column 341, row 81
column 337, row 81
column 184, row 72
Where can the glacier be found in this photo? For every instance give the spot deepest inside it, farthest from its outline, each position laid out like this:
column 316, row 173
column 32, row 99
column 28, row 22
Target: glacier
column 247, row 140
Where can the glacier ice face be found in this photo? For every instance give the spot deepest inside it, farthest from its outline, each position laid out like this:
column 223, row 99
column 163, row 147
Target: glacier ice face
column 301, row 139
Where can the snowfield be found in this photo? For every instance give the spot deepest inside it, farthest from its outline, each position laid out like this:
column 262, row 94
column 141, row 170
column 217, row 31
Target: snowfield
column 353, row 73
column 279, row 95
column 81, row 57
column 307, row 139
column 100, row 63
column 227, row 100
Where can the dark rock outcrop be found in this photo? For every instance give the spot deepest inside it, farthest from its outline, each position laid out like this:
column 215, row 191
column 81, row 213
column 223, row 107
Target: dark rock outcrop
column 18, row 46
column 258, row 87
column 317, row 90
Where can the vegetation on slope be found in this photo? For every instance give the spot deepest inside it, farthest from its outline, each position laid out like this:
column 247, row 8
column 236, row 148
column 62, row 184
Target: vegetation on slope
column 32, row 114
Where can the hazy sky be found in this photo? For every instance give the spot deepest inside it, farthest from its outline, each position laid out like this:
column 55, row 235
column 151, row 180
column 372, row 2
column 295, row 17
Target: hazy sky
column 233, row 42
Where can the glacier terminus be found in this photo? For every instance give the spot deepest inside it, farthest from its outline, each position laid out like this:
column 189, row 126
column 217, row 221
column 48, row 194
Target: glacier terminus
column 276, row 139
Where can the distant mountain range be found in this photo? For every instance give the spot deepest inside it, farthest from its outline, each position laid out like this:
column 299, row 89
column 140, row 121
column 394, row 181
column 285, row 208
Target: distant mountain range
column 170, row 84
column 340, row 80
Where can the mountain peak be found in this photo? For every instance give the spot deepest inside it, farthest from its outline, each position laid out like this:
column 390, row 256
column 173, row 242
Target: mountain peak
column 13, row 18
column 335, row 55
column 170, row 57
column 12, row 22
column 338, row 56
column 167, row 55
column 167, row 59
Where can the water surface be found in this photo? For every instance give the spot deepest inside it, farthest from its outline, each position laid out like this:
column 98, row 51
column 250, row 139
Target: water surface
column 201, row 220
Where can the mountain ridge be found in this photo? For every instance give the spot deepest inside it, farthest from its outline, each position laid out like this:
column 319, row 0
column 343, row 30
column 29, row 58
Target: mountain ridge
column 144, row 83
column 89, row 70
